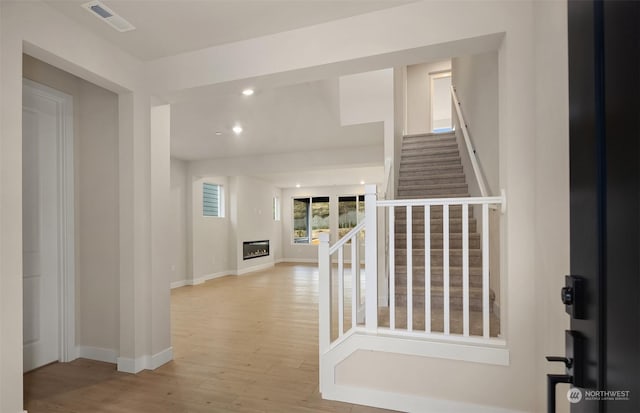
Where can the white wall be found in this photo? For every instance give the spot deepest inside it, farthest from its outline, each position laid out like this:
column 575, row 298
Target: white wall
column 369, row 97
column 179, row 182
column 309, row 253
column 254, row 221
column 216, row 242
column 552, row 189
column 96, row 191
column 210, row 235
column 419, row 95
column 475, row 78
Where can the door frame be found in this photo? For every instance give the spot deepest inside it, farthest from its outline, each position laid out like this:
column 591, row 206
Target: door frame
column 66, row 216
column 432, row 77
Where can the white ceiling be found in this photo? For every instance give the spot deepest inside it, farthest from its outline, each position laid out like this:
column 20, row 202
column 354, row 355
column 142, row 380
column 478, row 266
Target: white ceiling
column 165, row 28
column 297, row 118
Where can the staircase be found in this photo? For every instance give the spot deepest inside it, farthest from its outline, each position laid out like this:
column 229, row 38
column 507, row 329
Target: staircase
column 430, row 167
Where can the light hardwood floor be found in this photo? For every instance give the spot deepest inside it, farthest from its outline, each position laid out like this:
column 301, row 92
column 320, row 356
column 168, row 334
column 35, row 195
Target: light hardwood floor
column 241, row 344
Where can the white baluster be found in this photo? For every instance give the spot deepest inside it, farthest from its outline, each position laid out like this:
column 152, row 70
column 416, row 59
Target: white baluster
column 409, row 268
column 355, row 274
column 465, row 269
column 392, row 268
column 485, row 271
column 427, row 268
column 371, row 257
column 445, row 265
column 340, row 291
column 324, row 294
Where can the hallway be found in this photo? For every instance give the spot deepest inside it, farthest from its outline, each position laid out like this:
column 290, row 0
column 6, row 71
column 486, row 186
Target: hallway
column 241, row 344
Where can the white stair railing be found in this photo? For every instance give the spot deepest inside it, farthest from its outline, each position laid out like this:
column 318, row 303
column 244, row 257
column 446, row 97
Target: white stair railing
column 463, row 258
column 332, row 303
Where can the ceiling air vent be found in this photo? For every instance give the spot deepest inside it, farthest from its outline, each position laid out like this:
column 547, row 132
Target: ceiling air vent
column 108, row 16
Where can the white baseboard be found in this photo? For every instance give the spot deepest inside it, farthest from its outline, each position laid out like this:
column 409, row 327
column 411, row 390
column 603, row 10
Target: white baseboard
column 146, row 362
column 405, row 402
column 178, row 284
column 300, row 260
column 200, row 280
column 254, row 268
column 96, row 353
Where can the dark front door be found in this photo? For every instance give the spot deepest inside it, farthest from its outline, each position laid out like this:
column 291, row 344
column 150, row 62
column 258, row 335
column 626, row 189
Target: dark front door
column 604, row 290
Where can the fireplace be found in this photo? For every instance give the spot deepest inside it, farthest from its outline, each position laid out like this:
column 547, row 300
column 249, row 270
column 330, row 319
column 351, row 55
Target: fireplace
column 255, row 249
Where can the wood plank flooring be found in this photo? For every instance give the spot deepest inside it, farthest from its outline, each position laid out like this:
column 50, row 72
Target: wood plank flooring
column 241, row 344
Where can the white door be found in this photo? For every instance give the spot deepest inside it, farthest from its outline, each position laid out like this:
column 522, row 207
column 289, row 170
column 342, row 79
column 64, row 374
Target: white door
column 41, row 244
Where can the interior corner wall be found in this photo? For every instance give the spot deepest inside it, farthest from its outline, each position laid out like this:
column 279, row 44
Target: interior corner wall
column 95, row 113
column 475, row 78
column 210, row 235
column 419, row 95
column 179, row 235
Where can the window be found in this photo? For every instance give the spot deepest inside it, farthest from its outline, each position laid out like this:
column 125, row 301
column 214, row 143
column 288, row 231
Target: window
column 350, row 213
column 212, row 205
column 310, row 219
column 441, row 119
column 276, row 208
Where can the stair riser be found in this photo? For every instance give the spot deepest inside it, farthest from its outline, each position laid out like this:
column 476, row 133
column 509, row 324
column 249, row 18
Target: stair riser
column 429, row 170
column 442, row 151
column 437, row 302
column 445, row 179
column 438, row 259
column 436, row 228
column 409, row 147
column 431, row 159
column 455, row 211
column 436, row 243
column 437, row 280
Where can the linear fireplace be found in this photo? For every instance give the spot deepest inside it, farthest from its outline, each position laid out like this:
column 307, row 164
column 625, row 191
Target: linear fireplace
column 255, row 249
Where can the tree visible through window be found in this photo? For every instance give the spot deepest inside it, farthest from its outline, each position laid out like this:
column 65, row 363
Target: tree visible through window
column 310, row 219
column 350, row 213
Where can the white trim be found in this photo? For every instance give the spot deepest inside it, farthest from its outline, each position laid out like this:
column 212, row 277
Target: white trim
column 200, row 280
column 404, row 402
column 360, row 340
column 146, row 362
column 106, row 355
column 300, row 260
column 254, row 268
column 66, row 216
column 178, row 284
column 161, row 358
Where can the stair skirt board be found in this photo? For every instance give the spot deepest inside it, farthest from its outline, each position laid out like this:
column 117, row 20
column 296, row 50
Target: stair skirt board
column 494, row 354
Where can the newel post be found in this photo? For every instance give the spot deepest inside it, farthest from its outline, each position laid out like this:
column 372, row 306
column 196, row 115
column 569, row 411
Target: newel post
column 324, row 293
column 371, row 257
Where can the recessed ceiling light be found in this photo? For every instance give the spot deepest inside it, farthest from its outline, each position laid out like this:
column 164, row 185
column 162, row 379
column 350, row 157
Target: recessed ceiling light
column 218, row 133
column 361, row 182
column 237, row 129
column 248, row 92
column 297, row 185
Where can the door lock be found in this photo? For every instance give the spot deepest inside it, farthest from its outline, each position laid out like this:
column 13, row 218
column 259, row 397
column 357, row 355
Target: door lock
column 567, row 295
column 572, row 295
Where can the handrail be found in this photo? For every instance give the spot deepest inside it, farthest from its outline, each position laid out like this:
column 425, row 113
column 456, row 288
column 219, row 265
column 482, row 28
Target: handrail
column 442, row 201
column 467, row 140
column 349, row 235
column 388, row 166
